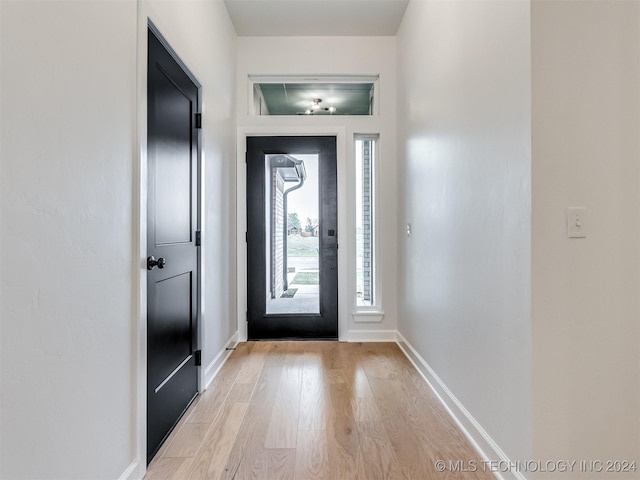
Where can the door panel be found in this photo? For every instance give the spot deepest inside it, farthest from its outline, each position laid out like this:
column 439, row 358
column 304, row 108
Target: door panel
column 173, row 174
column 172, row 289
column 287, row 264
column 169, row 329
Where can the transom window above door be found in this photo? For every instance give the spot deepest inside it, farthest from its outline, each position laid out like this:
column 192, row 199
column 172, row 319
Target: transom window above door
column 313, row 95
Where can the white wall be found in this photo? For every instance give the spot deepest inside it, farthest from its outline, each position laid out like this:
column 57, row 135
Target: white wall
column 68, row 120
column 340, row 56
column 464, row 157
column 71, row 186
column 586, row 338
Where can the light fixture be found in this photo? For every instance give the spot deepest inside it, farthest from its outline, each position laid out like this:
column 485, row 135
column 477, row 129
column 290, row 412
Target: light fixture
column 316, row 108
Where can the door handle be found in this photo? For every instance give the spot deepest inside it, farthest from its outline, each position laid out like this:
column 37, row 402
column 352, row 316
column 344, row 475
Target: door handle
column 152, row 263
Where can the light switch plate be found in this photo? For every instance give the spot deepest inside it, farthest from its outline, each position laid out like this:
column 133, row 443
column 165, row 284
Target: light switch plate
column 577, row 222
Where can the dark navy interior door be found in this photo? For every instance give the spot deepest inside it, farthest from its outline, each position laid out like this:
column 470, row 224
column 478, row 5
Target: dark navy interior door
column 172, row 266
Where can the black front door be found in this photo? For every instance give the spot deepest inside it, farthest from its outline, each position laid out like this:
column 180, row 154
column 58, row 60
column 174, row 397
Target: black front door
column 292, row 243
column 172, row 276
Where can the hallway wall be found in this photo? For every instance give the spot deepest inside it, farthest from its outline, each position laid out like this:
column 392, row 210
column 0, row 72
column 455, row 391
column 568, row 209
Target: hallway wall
column 464, row 181
column 586, row 328
column 510, row 112
column 69, row 224
column 68, row 143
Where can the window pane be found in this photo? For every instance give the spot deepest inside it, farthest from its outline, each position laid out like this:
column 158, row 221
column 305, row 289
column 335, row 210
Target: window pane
column 365, row 154
column 291, row 240
column 313, row 98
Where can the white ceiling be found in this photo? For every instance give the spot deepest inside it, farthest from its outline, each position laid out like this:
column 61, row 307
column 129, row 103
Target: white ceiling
column 316, row 17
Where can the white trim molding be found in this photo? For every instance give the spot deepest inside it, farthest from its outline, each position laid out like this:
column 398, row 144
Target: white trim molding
column 254, row 79
column 370, row 313
column 365, row 336
column 132, row 472
column 479, row 438
column 219, row 360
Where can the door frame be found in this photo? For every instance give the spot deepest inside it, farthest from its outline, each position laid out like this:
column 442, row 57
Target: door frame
column 323, row 323
column 241, row 215
column 139, row 294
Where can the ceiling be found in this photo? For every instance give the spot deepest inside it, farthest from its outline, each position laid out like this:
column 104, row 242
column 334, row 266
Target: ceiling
column 316, row 17
column 296, row 98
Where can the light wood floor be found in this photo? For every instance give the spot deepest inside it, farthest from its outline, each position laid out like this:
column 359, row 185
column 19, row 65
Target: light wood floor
column 315, row 410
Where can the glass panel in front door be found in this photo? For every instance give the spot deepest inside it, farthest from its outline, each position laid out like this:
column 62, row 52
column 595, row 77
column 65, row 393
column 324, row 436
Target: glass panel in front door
column 291, row 234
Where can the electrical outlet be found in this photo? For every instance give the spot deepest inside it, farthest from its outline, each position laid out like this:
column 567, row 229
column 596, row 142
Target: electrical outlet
column 409, row 230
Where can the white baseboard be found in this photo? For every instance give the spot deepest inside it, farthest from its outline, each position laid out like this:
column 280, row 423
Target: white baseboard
column 479, row 438
column 132, row 472
column 370, row 336
column 214, row 367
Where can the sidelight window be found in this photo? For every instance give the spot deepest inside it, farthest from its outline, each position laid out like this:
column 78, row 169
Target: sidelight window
column 365, row 161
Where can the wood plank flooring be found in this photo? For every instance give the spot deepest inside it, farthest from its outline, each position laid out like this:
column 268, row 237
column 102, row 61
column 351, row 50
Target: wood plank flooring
column 316, row 410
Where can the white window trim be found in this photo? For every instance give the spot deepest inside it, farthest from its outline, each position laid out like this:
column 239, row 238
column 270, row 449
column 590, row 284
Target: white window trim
column 369, row 313
column 254, row 79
